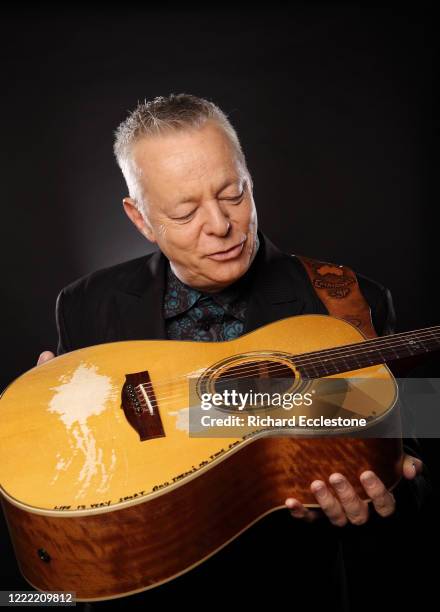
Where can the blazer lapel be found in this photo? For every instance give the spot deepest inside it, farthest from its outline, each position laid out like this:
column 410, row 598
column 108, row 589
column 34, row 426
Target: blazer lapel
column 277, row 288
column 140, row 305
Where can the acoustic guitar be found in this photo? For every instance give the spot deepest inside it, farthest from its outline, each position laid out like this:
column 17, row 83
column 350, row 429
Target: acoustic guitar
column 109, row 490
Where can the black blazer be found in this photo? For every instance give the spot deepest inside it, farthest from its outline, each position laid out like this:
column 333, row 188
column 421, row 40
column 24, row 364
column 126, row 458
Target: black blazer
column 124, row 302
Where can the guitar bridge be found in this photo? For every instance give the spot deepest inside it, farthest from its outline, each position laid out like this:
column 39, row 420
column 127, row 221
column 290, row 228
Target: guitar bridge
column 140, row 406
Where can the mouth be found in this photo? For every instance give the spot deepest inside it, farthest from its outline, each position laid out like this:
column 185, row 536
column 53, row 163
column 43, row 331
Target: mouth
column 231, row 253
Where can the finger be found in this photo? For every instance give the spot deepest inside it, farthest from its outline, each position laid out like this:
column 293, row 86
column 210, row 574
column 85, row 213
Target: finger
column 355, row 509
column 297, row 510
column 329, row 503
column 45, row 356
column 383, row 500
column 411, row 466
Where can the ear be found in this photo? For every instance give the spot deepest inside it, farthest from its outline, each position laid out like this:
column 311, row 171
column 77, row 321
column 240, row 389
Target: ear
column 250, row 181
column 138, row 219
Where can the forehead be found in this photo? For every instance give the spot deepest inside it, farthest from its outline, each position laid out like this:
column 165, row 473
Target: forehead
column 186, row 157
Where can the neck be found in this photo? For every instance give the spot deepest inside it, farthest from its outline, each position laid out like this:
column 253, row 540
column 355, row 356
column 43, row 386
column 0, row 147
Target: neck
column 371, row 352
column 205, row 288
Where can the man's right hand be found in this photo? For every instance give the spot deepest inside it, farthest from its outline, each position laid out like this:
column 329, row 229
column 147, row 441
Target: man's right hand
column 45, row 356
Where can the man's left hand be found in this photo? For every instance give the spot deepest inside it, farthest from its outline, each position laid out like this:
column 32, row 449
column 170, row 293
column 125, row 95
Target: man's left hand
column 346, row 506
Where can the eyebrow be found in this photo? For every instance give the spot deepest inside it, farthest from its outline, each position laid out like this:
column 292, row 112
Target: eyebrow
column 227, row 183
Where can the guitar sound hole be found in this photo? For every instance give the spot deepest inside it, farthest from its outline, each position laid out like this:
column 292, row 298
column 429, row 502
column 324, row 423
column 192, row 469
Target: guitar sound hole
column 259, row 379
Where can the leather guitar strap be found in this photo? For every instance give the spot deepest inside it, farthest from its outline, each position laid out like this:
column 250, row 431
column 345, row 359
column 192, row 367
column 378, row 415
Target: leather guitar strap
column 338, row 289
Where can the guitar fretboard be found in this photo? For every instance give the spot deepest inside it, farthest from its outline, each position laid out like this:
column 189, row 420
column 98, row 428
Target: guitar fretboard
column 371, row 352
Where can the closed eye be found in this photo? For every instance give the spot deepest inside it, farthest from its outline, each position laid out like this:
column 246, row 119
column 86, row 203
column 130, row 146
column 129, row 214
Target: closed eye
column 185, row 217
column 234, row 198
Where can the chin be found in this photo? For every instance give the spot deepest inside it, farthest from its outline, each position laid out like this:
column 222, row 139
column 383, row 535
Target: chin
column 228, row 272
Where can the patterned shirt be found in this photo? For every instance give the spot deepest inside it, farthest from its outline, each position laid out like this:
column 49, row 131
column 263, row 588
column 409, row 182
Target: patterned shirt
column 191, row 314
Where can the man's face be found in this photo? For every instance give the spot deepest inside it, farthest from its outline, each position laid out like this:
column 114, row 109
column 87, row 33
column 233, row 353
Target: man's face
column 200, row 210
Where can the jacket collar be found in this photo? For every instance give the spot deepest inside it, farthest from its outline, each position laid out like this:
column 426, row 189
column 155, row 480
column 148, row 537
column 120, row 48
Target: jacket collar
column 140, row 304
column 278, row 287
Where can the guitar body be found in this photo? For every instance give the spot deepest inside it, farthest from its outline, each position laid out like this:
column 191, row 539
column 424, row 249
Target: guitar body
column 93, row 508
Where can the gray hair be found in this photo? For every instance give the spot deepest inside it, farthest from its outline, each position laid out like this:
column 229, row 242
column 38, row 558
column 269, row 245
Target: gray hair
column 164, row 114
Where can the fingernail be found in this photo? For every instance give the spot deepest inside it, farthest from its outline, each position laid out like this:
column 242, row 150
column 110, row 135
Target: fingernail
column 369, row 479
column 319, row 488
column 338, row 483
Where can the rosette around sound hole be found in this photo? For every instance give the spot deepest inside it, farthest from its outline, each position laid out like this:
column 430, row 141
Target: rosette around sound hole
column 260, row 377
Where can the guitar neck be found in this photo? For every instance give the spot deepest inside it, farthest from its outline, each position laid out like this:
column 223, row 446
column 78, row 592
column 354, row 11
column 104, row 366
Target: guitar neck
column 371, row 352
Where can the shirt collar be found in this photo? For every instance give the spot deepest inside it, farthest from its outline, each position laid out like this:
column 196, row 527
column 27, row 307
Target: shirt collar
column 178, row 296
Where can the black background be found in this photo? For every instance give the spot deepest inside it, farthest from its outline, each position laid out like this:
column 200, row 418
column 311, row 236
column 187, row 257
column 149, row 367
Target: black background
column 334, row 105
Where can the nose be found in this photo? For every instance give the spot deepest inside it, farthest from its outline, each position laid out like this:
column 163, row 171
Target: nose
column 217, row 221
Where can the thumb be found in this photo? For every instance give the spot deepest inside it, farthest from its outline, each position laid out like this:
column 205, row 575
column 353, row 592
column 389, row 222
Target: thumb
column 298, row 511
column 45, row 356
column 312, row 516
column 412, row 466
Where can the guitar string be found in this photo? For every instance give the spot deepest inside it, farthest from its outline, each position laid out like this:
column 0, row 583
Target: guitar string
column 334, row 350
column 164, row 399
column 298, row 362
column 276, row 367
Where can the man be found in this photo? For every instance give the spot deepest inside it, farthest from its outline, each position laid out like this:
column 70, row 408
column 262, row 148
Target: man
column 215, row 275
